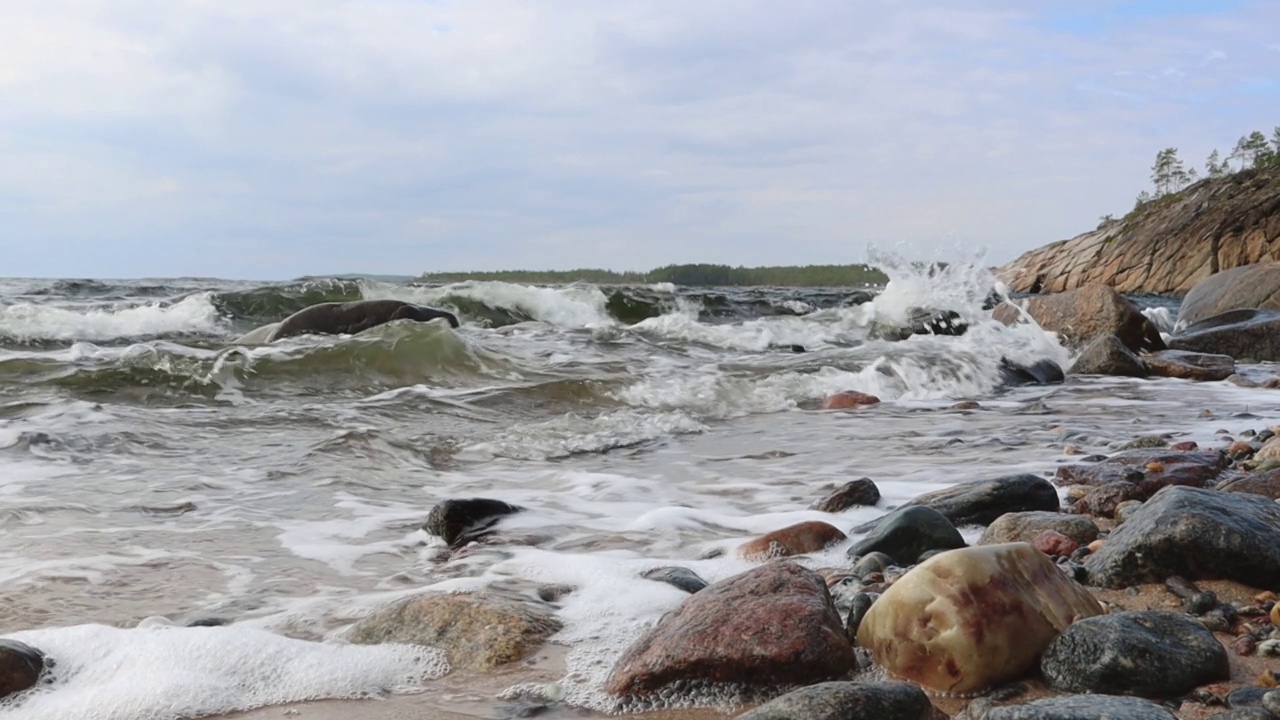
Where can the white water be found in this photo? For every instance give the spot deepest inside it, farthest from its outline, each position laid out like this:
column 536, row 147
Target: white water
column 193, row 314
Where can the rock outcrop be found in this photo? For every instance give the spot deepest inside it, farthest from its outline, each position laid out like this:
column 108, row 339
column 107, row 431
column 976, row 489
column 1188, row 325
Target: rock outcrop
column 1165, row 246
column 1240, row 288
column 1085, row 314
column 1248, row 334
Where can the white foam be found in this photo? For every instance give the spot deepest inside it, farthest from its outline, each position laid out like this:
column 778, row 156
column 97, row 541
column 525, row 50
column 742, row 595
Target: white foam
column 160, row 672
column 26, row 322
column 571, row 434
column 1163, row 318
column 574, row 306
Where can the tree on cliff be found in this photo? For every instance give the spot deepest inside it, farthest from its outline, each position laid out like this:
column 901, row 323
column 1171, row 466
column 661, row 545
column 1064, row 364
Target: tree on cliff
column 1168, row 173
column 1215, row 167
column 1251, row 149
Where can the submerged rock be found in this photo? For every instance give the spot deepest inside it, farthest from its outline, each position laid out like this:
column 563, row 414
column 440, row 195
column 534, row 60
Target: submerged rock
column 678, row 577
column 907, row 533
column 1108, row 356
column 1041, row 372
column 843, row 700
column 848, row 399
column 972, row 618
column 1198, row 534
column 798, row 539
column 20, row 667
column 477, row 631
column 853, row 493
column 1205, row 367
column 459, row 522
column 1240, row 334
column 1027, row 526
column 1081, row 315
column 1151, row 653
column 982, row 502
column 772, row 625
column 1082, row 707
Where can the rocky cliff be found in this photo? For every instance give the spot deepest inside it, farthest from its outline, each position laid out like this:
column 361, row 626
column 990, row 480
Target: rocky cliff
column 1167, row 245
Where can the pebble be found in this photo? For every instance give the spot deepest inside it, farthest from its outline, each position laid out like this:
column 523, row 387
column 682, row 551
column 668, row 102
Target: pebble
column 676, row 576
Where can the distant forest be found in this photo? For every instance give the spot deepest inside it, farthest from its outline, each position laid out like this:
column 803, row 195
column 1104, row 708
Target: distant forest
column 700, row 274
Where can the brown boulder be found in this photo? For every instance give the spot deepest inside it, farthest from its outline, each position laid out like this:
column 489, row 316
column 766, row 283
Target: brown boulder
column 1149, row 469
column 972, row 618
column 862, row 491
column 476, row 630
column 1026, row 526
column 1266, row 483
column 1055, row 544
column 1239, row 288
column 772, row 625
column 1189, row 365
column 848, row 399
column 1102, row 500
column 798, row 539
column 20, row 667
column 1094, row 311
column 1241, row 334
column 1108, row 356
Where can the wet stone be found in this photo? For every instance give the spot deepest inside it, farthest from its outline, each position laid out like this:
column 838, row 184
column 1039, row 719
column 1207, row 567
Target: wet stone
column 907, row 533
column 1246, row 697
column 1026, row 526
column 857, row 610
column 1266, row 484
column 872, row 562
column 1150, row 469
column 843, row 700
column 798, row 539
column 1105, row 500
column 679, row 577
column 1107, row 355
column 20, row 666
column 1204, row 367
column 983, row 501
column 860, row 492
column 1082, row 707
column 461, row 521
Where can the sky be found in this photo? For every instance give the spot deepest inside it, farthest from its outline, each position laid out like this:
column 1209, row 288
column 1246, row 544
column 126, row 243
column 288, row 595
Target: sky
column 270, row 139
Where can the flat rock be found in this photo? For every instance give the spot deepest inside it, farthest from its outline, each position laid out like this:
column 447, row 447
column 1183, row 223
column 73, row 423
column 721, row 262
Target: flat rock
column 1149, row 653
column 20, row 667
column 1246, row 287
column 981, row 502
column 860, row 492
column 1206, row 367
column 1240, row 334
column 798, row 539
column 1086, row 313
column 972, row 618
column 460, row 521
column 1266, row 484
column 907, row 533
column 1026, row 526
column 1107, row 355
column 772, row 625
column 1198, row 534
column 679, row 577
column 843, row 700
column 477, row 631
column 1105, row 500
column 1149, row 469
column 1082, row 707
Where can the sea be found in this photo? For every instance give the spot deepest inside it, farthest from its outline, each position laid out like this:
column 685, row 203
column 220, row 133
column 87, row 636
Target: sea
column 155, row 473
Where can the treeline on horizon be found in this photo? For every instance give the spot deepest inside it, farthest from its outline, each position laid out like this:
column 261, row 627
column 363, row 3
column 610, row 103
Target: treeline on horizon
column 693, row 274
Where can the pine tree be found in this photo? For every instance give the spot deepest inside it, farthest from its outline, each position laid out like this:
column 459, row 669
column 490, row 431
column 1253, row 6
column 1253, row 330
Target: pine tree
column 1163, row 172
column 1215, row 167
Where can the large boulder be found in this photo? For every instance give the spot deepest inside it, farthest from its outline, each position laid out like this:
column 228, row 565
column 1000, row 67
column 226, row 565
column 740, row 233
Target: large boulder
column 1149, row 469
column 838, row 700
column 1080, row 316
column 1190, row 365
column 1027, row 526
column 907, row 533
column 1196, row 533
column 1241, row 334
column 1266, row 484
column 1153, row 653
column 806, row 537
column 982, row 501
column 1107, row 355
column 478, row 631
column 968, row 619
column 20, row 667
column 1240, row 288
column 1082, row 707
column 772, row 625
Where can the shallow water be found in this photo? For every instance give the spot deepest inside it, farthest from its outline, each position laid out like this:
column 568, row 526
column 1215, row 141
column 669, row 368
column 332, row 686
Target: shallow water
column 154, row 472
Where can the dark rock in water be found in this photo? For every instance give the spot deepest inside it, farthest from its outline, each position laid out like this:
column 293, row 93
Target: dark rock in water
column 981, row 502
column 923, row 321
column 798, row 349
column 680, row 577
column 1104, row 500
column 631, row 310
column 872, row 562
column 480, row 630
column 1089, row 312
column 1082, row 707
column 1041, row 372
column 844, row 700
column 1152, row 653
column 858, row 608
column 1108, row 356
column 798, row 539
column 20, row 667
column 1248, row 286
column 855, row 492
column 770, row 626
column 907, row 533
column 1205, row 367
column 459, row 522
column 848, row 399
column 1027, row 526
column 1149, row 469
column 209, row 622
column 1241, row 334
column 1198, row 534
column 1266, row 484
column 857, row 297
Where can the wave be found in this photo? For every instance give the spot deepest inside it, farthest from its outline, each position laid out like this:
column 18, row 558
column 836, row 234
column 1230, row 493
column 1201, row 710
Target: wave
column 32, row 323
column 272, row 303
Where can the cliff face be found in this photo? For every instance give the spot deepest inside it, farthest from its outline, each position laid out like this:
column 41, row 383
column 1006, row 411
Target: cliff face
column 1166, row 246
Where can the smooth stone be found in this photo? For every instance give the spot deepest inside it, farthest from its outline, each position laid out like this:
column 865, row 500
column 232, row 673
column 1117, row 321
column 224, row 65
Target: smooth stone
column 799, row 539
column 1104, row 500
column 480, row 630
column 860, row 492
column 1205, row 367
column 983, row 501
column 1026, row 526
column 872, row 562
column 1108, row 356
column 461, row 521
column 1081, row 315
column 1126, row 509
column 907, row 533
column 1198, row 534
column 1266, row 484
column 772, row 625
column 679, row 577
column 1246, row 697
column 858, row 608
column 1083, row 707
column 845, row 700
column 1149, row 653
column 1149, row 469
column 848, row 399
column 1055, row 544
column 1240, row 334
column 1041, row 372
column 20, row 667
column 1244, row 287
column 973, row 618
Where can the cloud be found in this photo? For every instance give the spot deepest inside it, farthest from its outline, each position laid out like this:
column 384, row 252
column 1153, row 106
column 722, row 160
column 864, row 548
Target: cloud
column 275, row 139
